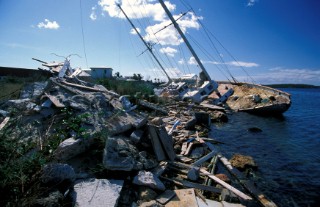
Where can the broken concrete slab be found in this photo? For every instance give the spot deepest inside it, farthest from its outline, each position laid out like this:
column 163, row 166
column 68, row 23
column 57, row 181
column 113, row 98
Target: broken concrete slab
column 148, row 179
column 70, row 148
column 119, row 154
column 122, row 122
column 33, row 90
column 57, row 173
column 96, row 192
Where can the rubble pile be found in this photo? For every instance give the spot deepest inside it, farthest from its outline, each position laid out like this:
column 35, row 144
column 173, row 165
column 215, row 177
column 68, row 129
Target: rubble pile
column 104, row 151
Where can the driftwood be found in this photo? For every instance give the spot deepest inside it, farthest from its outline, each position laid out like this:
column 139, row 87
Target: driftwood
column 153, row 106
column 204, row 158
column 226, row 185
column 213, row 164
column 55, row 101
column 216, row 179
column 4, row 122
column 189, row 184
column 247, row 184
column 83, row 87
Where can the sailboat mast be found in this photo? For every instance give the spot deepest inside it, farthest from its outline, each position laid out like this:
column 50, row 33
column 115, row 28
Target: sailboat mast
column 148, row 46
column 185, row 39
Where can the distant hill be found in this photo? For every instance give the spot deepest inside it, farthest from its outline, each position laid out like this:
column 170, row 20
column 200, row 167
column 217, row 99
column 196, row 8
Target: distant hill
column 292, row 86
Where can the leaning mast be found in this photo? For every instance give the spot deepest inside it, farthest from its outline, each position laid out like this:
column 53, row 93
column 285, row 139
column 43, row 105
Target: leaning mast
column 175, row 24
column 148, row 47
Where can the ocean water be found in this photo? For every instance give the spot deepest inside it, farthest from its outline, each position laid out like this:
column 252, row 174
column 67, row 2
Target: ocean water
column 287, row 150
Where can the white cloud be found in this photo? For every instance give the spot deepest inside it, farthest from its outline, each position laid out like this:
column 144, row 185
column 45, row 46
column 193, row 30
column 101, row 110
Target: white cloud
column 192, row 61
column 136, row 9
column 169, row 35
column 242, row 64
column 93, row 15
column 169, row 51
column 132, row 31
column 251, row 2
column 234, row 63
column 181, row 62
column 289, row 75
column 172, row 72
column 47, row 24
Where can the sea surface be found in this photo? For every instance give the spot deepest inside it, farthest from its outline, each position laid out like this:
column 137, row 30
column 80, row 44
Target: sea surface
column 287, row 150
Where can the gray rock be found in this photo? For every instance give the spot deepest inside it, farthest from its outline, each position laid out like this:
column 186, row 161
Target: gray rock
column 148, row 179
column 33, row 90
column 146, row 194
column 4, row 113
column 70, row 148
column 191, row 123
column 119, row 154
column 57, row 173
column 219, row 116
column 96, row 192
column 54, row 199
column 136, row 136
column 194, row 174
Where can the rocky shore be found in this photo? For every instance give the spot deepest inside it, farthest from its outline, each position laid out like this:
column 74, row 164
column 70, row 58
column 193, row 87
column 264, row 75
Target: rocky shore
column 88, row 146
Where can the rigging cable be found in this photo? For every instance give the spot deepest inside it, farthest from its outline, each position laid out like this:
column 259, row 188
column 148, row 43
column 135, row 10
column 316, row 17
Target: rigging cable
column 82, row 32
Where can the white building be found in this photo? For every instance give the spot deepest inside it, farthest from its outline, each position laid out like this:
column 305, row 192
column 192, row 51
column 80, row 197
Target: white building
column 101, row 72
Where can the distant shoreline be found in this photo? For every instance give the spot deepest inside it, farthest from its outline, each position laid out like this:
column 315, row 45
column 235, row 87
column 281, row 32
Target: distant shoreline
column 292, row 86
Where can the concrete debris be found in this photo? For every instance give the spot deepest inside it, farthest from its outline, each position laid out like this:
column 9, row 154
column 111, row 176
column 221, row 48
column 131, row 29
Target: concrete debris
column 96, row 192
column 146, row 178
column 167, row 148
column 58, row 174
column 119, row 154
column 70, row 148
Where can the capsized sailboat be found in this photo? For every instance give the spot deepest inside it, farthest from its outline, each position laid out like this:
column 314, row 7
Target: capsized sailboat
column 236, row 96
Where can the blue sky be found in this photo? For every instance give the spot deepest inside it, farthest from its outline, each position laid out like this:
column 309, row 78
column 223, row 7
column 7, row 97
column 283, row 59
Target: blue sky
column 272, row 41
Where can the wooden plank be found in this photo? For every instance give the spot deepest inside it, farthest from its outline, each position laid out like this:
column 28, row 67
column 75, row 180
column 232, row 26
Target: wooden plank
column 226, row 185
column 156, row 143
column 246, row 183
column 212, row 107
column 189, row 184
column 204, row 158
column 188, row 149
column 183, row 198
column 4, row 122
column 82, row 87
column 153, row 106
column 184, row 148
column 55, row 101
column 167, row 143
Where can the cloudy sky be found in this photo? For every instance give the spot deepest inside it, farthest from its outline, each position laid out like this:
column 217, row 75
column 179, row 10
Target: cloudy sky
column 266, row 41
